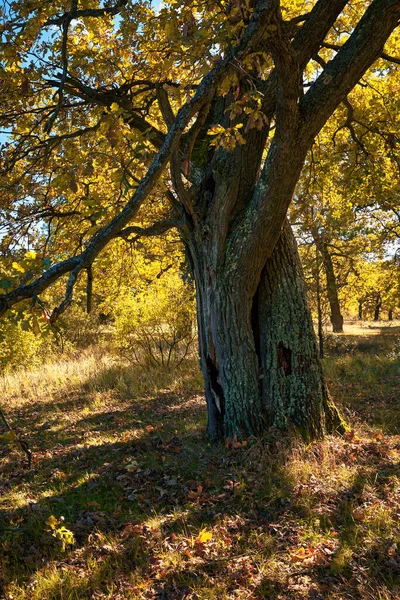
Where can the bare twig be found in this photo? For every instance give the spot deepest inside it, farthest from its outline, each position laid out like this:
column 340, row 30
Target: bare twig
column 24, row 446
column 66, row 21
column 384, row 55
column 89, row 289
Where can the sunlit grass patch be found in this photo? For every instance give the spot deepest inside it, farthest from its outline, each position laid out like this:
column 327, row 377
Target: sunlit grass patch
column 156, row 511
column 366, row 381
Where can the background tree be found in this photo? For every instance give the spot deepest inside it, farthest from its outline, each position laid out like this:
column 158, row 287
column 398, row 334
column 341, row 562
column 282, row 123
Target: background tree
column 346, row 201
column 231, row 98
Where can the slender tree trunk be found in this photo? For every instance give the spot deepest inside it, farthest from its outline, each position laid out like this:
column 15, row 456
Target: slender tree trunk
column 331, row 284
column 258, row 355
column 378, row 305
column 360, row 309
column 390, row 314
column 319, row 307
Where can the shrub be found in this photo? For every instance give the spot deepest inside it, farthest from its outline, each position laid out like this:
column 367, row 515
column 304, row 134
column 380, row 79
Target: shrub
column 80, row 329
column 156, row 327
column 19, row 344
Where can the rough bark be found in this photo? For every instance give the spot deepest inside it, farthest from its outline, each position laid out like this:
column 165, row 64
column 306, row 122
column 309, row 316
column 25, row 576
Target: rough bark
column 293, row 388
column 258, row 355
column 208, row 361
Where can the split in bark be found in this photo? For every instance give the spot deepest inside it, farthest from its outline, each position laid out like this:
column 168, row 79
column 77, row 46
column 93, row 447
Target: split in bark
column 259, row 355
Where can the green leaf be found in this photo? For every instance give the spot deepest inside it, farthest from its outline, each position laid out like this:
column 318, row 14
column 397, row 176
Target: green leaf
column 9, row 437
column 5, row 284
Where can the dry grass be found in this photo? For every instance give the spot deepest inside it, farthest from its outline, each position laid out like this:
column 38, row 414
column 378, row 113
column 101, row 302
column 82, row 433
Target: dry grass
column 157, row 513
column 369, row 328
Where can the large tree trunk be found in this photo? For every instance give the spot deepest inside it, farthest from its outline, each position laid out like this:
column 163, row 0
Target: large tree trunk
column 258, row 355
column 331, row 284
column 227, row 355
column 293, row 387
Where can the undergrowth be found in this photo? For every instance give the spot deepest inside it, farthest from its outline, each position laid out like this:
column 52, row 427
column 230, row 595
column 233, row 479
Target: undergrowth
column 127, row 500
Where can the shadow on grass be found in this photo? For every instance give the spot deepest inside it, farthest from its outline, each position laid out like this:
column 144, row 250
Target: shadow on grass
column 140, row 506
column 366, row 381
column 384, row 340
column 158, row 513
column 131, row 395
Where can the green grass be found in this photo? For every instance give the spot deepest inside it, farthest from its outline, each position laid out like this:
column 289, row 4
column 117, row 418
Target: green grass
column 364, row 374
column 120, row 461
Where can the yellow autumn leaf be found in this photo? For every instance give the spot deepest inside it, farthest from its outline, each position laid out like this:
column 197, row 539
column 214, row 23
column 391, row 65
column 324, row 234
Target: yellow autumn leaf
column 215, row 130
column 52, row 522
column 18, row 267
column 203, row 537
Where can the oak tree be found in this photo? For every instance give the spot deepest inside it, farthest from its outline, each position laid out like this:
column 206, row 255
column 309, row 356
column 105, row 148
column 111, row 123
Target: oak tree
column 212, row 107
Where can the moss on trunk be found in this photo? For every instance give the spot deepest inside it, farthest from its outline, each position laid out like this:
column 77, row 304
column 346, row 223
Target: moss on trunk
column 259, row 355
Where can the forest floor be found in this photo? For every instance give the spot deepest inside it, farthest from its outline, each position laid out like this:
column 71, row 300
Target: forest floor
column 125, row 498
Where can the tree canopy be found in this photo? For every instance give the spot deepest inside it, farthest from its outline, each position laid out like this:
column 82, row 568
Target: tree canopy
column 98, row 98
column 128, row 120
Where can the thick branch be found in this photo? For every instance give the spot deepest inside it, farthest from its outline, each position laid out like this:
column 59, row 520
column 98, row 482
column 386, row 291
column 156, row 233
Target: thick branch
column 165, row 106
column 360, row 51
column 39, row 285
column 255, row 239
column 156, row 229
column 88, row 12
column 383, row 55
column 305, row 43
column 204, row 94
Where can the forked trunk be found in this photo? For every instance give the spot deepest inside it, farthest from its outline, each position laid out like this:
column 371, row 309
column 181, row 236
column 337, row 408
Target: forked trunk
column 258, row 355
